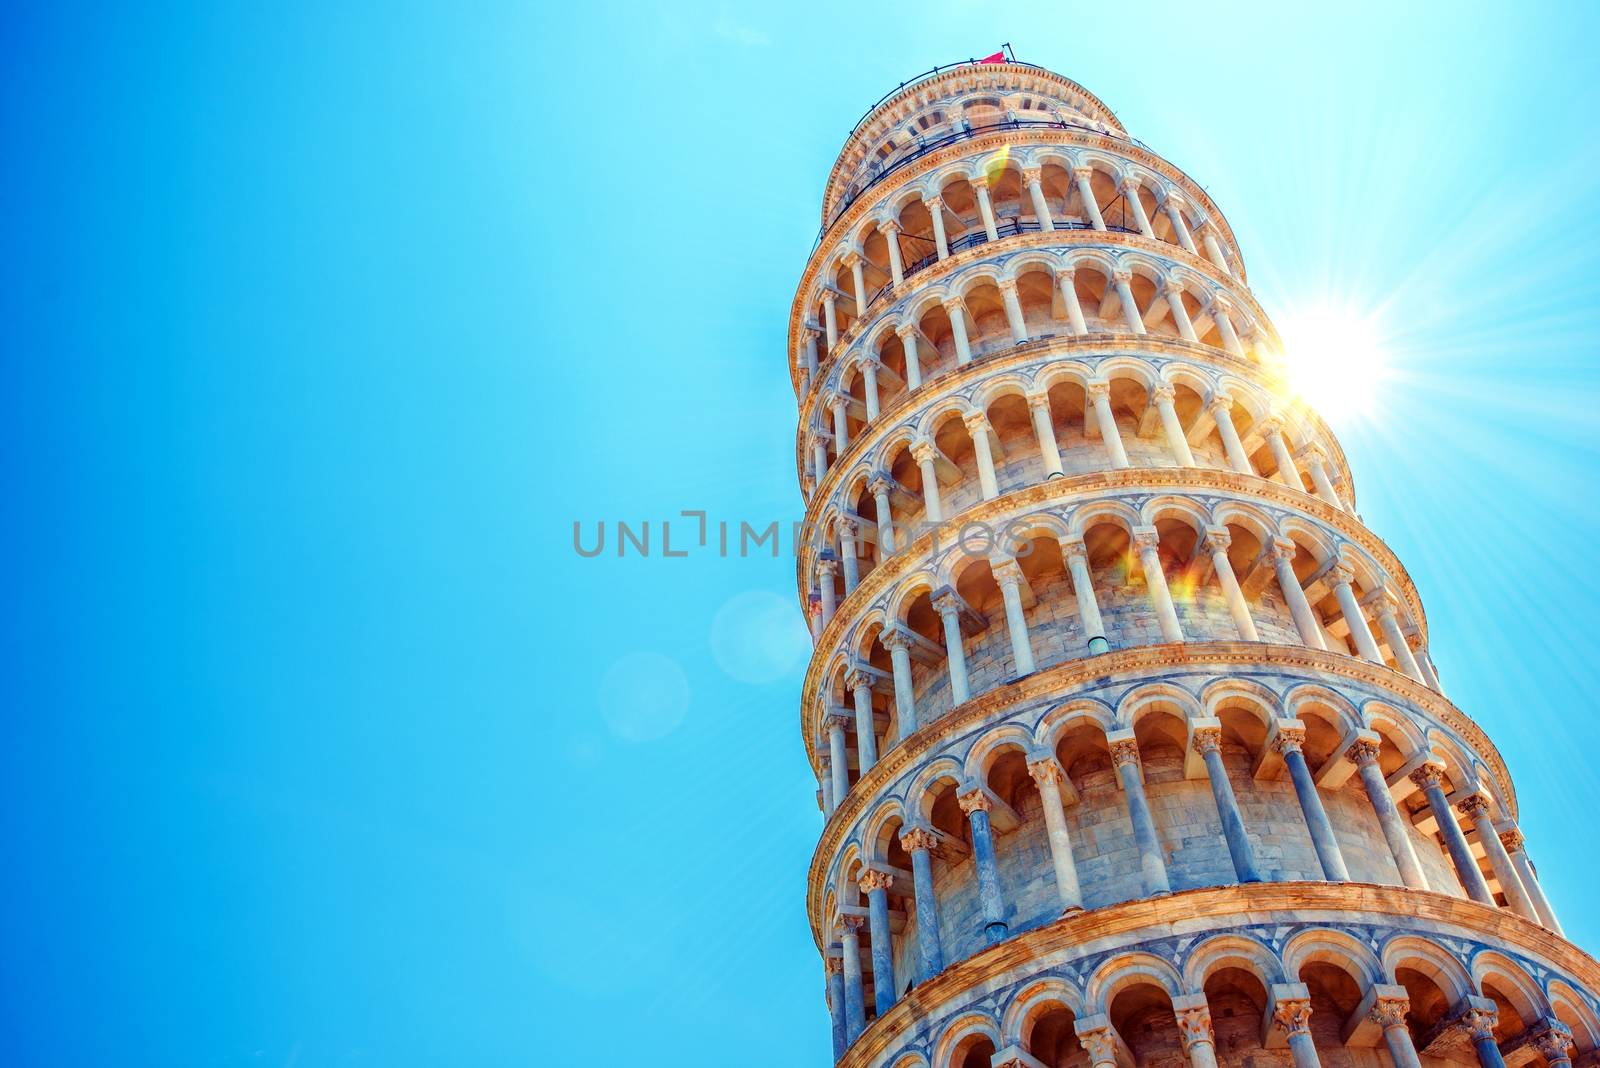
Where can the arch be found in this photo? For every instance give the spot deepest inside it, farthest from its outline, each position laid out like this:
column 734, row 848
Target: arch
column 1430, row 959
column 1240, row 693
column 1130, row 969
column 1231, row 951
column 1321, row 702
column 1076, row 713
column 1512, row 980
column 1390, row 721
column 1153, row 697
column 918, row 800
column 1324, row 945
column 1048, row 992
column 987, row 748
column 1571, row 1009
column 1117, row 513
column 962, row 1027
column 872, row 831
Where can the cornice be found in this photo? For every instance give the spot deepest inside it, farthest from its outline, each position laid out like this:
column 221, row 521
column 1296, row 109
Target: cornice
column 1193, row 912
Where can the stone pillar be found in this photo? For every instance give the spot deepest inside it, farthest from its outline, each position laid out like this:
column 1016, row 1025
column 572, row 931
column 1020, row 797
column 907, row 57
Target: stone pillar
column 837, row 721
column 1364, row 755
column 1123, row 280
column 1230, row 337
column 935, row 206
column 1514, row 845
column 1288, row 474
column 1152, row 863
column 891, row 238
column 1130, row 192
column 1180, row 315
column 1207, row 741
column 919, row 843
column 1305, row 620
column 1292, row 1016
column 976, row 805
column 1428, row 779
column 1342, row 574
column 1099, row 394
column 827, row 568
column 1176, row 441
column 1389, row 1013
column 875, row 884
column 1099, row 1040
column 811, row 351
column 1047, row 773
column 836, row 1011
column 1476, row 809
column 1009, row 576
column 860, row 687
column 1214, row 248
column 1077, row 557
column 1317, row 463
column 869, row 388
column 859, row 280
column 1181, row 228
column 1045, row 431
column 830, row 319
column 847, row 555
column 980, row 190
column 1069, row 297
column 1479, row 1019
column 1194, row 1030
column 819, row 458
column 958, row 330
column 1217, row 541
column 879, row 488
column 949, row 610
column 978, row 427
column 923, row 452
column 855, row 996
column 1554, row 1042
column 1287, row 742
column 1013, row 306
column 1041, row 209
column 826, row 784
column 899, row 646
column 1086, row 194
column 1155, row 580
column 908, row 341
column 1383, row 602
column 841, row 426
column 1221, row 409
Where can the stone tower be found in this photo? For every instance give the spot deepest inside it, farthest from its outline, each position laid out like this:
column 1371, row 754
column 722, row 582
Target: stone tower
column 1129, row 747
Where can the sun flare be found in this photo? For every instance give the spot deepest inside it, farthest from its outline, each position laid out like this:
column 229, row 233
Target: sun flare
column 1333, row 359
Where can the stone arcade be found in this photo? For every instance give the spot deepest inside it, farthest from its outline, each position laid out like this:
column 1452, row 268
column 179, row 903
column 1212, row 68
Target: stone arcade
column 1153, row 765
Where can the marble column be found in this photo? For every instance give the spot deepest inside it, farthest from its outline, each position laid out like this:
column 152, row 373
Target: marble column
column 1013, row 306
column 836, row 1011
column 860, row 686
column 1041, row 209
column 1123, row 281
column 1069, row 297
column 859, row 280
column 1554, row 1042
column 1287, row 473
column 1390, row 1014
column 1305, row 620
column 1045, row 431
column 1214, row 248
column 1152, row 863
column 1479, row 1020
column 976, row 805
column 1099, row 1040
column 1221, row 409
column 879, row 488
column 1292, row 1016
column 958, row 330
column 919, row 843
column 837, row 721
column 894, row 639
column 1179, row 227
column 1180, row 314
column 1130, row 192
column 941, row 244
column 1476, row 809
column 830, row 320
column 1146, row 544
column 841, row 425
column 1217, row 541
column 1316, row 462
column 1429, row 779
column 1163, row 396
column 1077, row 557
column 1099, row 394
column 1091, row 210
column 847, row 555
column 949, row 610
column 855, row 996
column 827, row 568
column 875, row 884
column 891, row 239
column 1222, row 316
column 869, row 388
column 926, row 456
column 1383, row 601
column 1046, row 772
column 908, row 342
column 980, row 191
column 1342, row 575
column 1010, row 578
column 1194, row 1030
column 1514, row 845
column 1288, row 742
column 1207, row 741
column 811, row 351
column 1364, row 755
column 977, row 424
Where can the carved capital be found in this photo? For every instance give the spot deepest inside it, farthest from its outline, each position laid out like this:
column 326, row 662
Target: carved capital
column 1342, row 574
column 1553, row 1041
column 1219, row 402
column 1218, row 539
column 1512, row 840
column 1038, row 399
column 918, row 838
column 923, row 452
column 888, row 228
column 850, row 926
column 1288, row 739
column 1074, row 549
column 1125, row 751
column 1164, row 393
column 1083, row 172
column 1194, row 1025
column 946, row 603
column 856, row 679
column 1031, row 175
column 976, row 422
column 1293, row 1016
column 934, row 202
column 1206, row 740
column 1121, row 278
column 1007, row 572
column 1100, row 1044
column 877, row 484
column 873, row 879
column 1007, row 286
column 1389, row 1012
column 1045, row 770
column 1480, row 1023
column 838, row 720
column 1097, row 391
column 1473, row 806
column 892, row 638
column 976, row 801
column 833, row 965
column 1362, row 752
column 1429, row 774
column 1145, row 541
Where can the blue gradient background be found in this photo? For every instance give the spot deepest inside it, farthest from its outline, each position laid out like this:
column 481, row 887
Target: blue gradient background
column 323, row 323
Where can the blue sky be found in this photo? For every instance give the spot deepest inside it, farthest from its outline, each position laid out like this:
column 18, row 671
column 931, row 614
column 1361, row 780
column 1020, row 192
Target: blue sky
column 323, row 325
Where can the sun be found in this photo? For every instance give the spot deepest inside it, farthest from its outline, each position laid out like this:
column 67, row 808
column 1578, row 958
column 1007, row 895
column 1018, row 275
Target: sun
column 1333, row 358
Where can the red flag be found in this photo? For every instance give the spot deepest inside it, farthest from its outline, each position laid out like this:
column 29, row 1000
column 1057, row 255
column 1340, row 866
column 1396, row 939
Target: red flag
column 998, row 57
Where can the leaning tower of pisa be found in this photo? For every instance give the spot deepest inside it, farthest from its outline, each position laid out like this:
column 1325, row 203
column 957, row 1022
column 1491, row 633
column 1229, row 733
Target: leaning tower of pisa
column 1128, row 744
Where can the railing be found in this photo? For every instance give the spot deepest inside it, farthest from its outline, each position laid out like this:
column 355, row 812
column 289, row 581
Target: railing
column 1003, row 228
column 924, row 76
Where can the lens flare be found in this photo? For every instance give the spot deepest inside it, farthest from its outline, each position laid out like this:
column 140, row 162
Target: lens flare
column 1333, row 359
column 996, row 166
